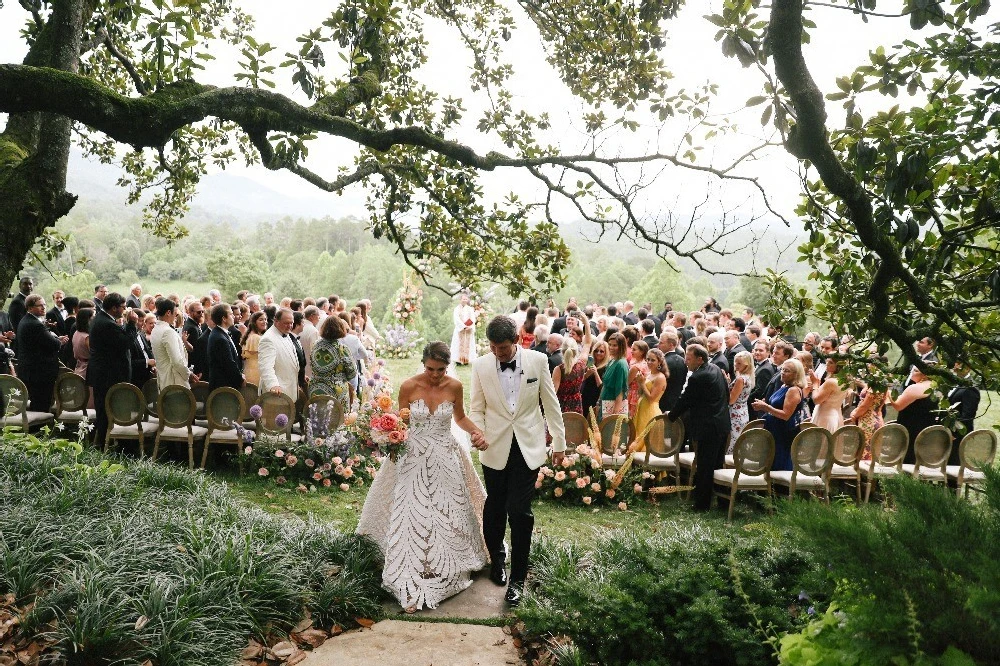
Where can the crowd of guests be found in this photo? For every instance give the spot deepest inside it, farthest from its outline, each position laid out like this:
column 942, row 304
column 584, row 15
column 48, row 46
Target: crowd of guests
column 720, row 370
column 310, row 346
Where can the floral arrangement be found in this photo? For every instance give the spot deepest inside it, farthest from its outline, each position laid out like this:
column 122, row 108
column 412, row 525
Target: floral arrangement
column 408, row 302
column 378, row 428
column 321, row 459
column 581, row 479
column 399, row 342
column 375, row 382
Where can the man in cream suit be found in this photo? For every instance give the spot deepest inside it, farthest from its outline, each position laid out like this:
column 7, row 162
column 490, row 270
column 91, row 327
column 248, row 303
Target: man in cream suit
column 277, row 358
column 507, row 386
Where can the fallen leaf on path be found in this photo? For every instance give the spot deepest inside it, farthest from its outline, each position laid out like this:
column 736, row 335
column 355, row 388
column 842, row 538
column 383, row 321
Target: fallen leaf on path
column 303, row 625
column 336, row 630
column 364, row 622
column 314, row 637
column 283, row 650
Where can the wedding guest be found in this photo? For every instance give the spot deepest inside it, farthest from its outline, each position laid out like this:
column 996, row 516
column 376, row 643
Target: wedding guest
column 463, row 339
column 527, row 330
column 37, row 354
column 57, row 314
column 675, row 370
column 739, row 394
column 224, row 364
column 132, row 301
column 828, row 396
column 81, row 341
column 590, row 391
column 358, row 352
column 868, row 415
column 277, row 357
column 637, row 373
column 568, row 377
column 651, row 389
column 614, row 389
column 251, row 345
column 541, row 338
column 916, row 408
column 168, row 348
column 110, row 354
column 310, row 334
column 965, row 401
column 334, row 368
column 783, row 412
column 143, row 362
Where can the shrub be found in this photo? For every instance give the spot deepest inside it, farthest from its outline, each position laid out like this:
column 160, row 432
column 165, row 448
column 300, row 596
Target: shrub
column 918, row 582
column 154, row 562
column 686, row 595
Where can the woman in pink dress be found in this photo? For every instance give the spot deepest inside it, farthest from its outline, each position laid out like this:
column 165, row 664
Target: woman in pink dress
column 638, row 371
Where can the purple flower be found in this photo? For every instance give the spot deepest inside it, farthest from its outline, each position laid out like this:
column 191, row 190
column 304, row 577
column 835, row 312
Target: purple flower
column 376, row 376
column 371, row 382
column 381, row 362
column 281, row 420
column 248, row 436
column 256, row 412
column 803, row 596
column 811, row 610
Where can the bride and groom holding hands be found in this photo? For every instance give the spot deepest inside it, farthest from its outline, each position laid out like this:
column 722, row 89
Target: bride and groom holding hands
column 429, row 512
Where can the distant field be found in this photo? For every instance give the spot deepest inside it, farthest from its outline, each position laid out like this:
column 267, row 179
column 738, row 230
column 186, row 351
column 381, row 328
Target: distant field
column 180, row 287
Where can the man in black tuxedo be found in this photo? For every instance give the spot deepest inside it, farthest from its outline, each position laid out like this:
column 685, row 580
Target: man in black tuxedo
column 110, row 354
column 648, row 326
column 17, row 307
column 684, row 332
column 733, row 347
column 224, row 365
column 298, row 319
column 707, row 399
column 192, row 332
column 100, row 293
column 135, row 293
column 38, row 354
column 143, row 363
column 716, row 351
column 677, row 370
column 553, row 349
column 764, row 371
column 781, row 352
column 57, row 314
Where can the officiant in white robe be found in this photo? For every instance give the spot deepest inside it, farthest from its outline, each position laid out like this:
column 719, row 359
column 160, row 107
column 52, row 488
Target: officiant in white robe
column 463, row 340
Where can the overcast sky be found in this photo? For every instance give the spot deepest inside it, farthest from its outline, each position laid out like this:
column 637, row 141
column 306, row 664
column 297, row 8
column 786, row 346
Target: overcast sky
column 840, row 43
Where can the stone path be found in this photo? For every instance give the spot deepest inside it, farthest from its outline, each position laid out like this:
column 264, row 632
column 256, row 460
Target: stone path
column 414, row 643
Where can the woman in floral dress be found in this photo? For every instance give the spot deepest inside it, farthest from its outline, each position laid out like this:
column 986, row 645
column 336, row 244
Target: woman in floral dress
column 332, row 365
column 739, row 393
column 638, row 371
column 568, row 377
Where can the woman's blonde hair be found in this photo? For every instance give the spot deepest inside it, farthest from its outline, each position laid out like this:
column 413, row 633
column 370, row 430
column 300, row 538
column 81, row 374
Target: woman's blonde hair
column 744, row 359
column 806, row 359
column 569, row 351
column 607, row 355
column 798, row 372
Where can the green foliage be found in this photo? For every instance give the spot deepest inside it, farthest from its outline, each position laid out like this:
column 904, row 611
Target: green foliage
column 917, row 582
column 159, row 563
column 238, row 269
column 669, row 598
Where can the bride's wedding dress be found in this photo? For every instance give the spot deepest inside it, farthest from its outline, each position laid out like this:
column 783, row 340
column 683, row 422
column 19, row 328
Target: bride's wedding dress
column 425, row 512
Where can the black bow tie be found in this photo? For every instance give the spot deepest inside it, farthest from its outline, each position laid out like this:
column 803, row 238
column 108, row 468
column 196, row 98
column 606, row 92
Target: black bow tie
column 509, row 365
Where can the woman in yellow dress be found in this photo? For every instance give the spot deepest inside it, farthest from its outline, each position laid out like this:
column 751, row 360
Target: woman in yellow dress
column 651, row 391
column 250, row 342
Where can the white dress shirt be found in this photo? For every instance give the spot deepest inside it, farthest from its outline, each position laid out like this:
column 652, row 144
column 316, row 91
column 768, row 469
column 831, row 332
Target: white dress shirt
column 510, row 380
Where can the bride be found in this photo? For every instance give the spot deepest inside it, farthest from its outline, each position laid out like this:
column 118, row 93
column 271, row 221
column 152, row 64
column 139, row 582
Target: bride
column 425, row 511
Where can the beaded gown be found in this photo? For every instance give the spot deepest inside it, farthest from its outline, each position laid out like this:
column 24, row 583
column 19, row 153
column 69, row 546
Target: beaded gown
column 425, row 511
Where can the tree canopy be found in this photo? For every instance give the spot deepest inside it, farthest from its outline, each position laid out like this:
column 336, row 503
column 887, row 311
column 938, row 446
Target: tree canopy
column 900, row 202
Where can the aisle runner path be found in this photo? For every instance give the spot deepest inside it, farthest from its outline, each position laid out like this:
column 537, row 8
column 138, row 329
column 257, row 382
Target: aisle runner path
column 414, row 643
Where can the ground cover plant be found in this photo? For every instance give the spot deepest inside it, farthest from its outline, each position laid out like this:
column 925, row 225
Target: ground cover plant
column 150, row 562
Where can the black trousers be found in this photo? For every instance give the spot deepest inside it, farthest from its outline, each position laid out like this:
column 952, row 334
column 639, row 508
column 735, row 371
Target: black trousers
column 509, row 492
column 101, row 422
column 710, row 456
column 41, row 386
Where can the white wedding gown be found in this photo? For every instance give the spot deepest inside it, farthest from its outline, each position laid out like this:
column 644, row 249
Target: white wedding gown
column 425, row 512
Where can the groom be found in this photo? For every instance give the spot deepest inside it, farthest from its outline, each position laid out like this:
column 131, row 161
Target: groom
column 507, row 386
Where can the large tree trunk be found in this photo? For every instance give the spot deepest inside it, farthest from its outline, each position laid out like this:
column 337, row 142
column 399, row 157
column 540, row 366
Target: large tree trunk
column 34, row 150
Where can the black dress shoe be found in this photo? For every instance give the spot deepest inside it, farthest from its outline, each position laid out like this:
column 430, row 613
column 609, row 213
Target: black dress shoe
column 514, row 592
column 498, row 573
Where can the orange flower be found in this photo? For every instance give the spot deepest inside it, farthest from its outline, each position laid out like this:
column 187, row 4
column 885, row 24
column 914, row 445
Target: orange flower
column 384, row 402
column 397, row 436
column 350, row 419
column 404, row 414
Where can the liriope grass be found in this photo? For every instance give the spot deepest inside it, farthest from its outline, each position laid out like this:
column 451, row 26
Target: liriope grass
column 155, row 562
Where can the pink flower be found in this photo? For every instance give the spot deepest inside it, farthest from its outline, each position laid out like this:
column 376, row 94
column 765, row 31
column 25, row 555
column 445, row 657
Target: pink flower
column 573, row 474
column 560, row 476
column 337, row 461
column 622, row 505
column 637, row 488
column 557, row 492
column 348, row 472
column 317, row 476
column 345, row 487
column 339, row 470
column 280, row 480
column 326, row 467
column 279, row 454
column 544, row 471
column 397, row 436
column 596, row 487
column 610, row 493
column 263, row 471
column 301, row 488
column 248, row 450
column 580, row 483
column 310, row 462
column 567, row 463
column 609, row 474
column 538, row 484
column 586, row 479
column 326, row 483
column 587, row 500
column 291, row 460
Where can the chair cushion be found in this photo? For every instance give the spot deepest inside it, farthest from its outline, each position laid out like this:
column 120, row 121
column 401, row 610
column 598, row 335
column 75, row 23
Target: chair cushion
column 182, row 433
column 970, row 475
column 843, row 472
column 729, row 461
column 784, row 478
column 609, row 461
column 125, row 432
column 687, row 458
column 879, row 470
column 928, row 473
column 725, row 477
column 75, row 417
column 224, row 436
column 639, row 458
column 34, row 418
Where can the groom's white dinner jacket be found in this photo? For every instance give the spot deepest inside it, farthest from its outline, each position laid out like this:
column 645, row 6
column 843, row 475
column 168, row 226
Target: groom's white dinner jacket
column 490, row 410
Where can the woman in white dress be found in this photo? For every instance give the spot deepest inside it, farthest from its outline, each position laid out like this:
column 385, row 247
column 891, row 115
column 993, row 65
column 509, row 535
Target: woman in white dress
column 425, row 511
column 828, row 397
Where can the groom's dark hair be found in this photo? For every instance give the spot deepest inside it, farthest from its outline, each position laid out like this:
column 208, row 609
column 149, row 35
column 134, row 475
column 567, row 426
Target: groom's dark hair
column 501, row 329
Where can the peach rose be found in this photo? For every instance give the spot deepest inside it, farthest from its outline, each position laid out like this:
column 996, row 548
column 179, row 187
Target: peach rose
column 317, row 476
column 351, row 419
column 637, row 488
column 290, row 460
column 348, row 472
column 596, row 487
column 404, row 414
column 397, row 436
column 557, row 492
column 538, row 484
column 587, row 500
column 326, row 483
column 263, row 471
column 339, row 470
column 573, row 474
column 560, row 476
column 580, row 483
column 610, row 493
column 345, row 487
column 622, row 505
column 337, row 460
column 384, row 402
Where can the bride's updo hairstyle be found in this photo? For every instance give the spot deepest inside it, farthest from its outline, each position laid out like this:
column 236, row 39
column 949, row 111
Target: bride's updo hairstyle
column 437, row 351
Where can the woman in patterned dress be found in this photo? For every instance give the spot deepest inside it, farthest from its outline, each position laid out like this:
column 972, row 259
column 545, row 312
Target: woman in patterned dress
column 333, row 367
column 425, row 510
column 739, row 393
column 638, row 371
column 568, row 377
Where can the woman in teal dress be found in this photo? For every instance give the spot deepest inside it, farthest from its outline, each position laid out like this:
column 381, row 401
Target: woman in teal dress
column 614, row 391
column 332, row 366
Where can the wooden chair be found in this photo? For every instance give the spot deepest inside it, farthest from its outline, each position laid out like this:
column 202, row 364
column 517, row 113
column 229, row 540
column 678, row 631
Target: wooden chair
column 273, row 404
column 250, row 396
column 72, row 396
column 730, row 460
column 931, row 450
column 200, row 391
column 14, row 395
column 754, row 454
column 812, row 457
column 126, row 408
column 224, row 409
column 977, row 450
column 577, row 431
column 327, row 411
column 848, row 449
column 177, row 408
column 889, row 445
column 663, row 445
column 611, row 455
column 151, row 391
